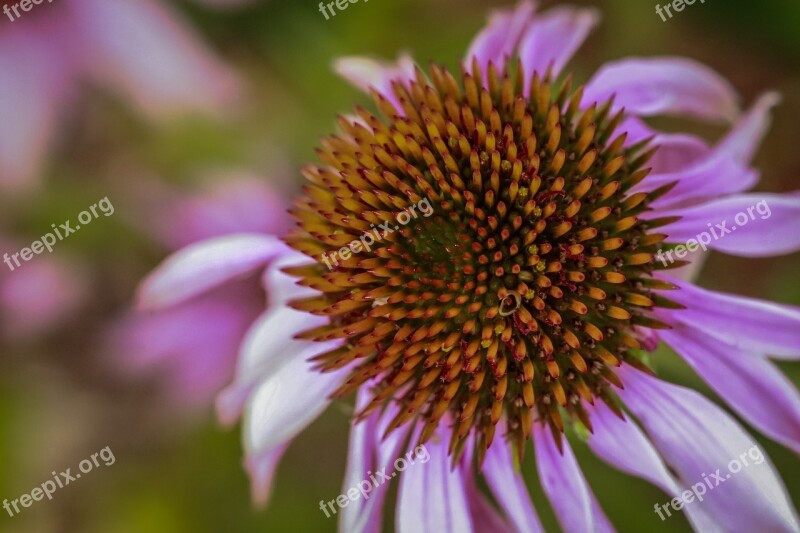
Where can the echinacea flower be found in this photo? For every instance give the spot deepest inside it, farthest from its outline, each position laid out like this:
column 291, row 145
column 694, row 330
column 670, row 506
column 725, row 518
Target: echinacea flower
column 525, row 306
column 140, row 49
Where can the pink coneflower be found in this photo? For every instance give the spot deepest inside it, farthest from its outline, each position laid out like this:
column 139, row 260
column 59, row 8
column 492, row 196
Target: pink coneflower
column 525, row 306
column 139, row 49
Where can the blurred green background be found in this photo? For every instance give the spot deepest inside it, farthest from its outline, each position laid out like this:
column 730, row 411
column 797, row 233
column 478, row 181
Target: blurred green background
column 59, row 401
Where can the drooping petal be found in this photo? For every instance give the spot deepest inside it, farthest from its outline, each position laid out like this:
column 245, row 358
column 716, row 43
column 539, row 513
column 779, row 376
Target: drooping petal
column 388, row 450
column 361, row 459
column 716, row 172
column 742, row 142
column 366, row 74
column 509, row 489
column 562, row 480
column 498, row 39
column 202, row 266
column 281, row 406
column 261, row 470
column 553, row 38
column 622, row 444
column 755, row 225
column 432, row 497
column 752, row 386
column 665, row 85
column 142, row 50
column 757, row 327
column 699, row 441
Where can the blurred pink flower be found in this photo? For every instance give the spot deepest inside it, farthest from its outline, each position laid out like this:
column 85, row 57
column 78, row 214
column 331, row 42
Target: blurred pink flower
column 379, row 319
column 38, row 296
column 141, row 49
column 195, row 345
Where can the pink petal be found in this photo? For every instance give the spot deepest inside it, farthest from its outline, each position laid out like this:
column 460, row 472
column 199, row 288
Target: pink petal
column 744, row 139
column 562, row 480
column 366, row 74
column 719, row 171
column 143, row 50
column 623, row 445
column 754, row 235
column 31, row 92
column 202, row 266
column 756, row 326
column 431, row 496
column 752, row 386
column 666, row 85
column 711, row 177
column 485, row 517
column 498, row 39
column 509, row 489
column 696, row 439
column 553, row 38
column 193, row 344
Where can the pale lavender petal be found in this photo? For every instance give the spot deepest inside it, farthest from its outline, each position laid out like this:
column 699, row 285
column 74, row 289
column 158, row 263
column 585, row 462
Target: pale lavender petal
column 742, row 142
column 271, row 341
column 622, row 444
column 143, row 50
column 498, row 39
column 760, row 225
column 665, row 85
column 509, row 489
column 387, row 451
column 431, row 496
column 758, row 327
column 752, row 386
column 366, row 74
column 696, row 439
column 562, row 480
column 202, row 266
column 282, row 406
column 261, row 470
column 553, row 38
column 361, row 459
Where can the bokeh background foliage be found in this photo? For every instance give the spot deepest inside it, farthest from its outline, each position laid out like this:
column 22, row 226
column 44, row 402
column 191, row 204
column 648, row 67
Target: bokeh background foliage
column 60, row 399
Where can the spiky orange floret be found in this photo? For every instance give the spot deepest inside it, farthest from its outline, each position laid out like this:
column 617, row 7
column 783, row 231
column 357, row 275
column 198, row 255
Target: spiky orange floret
column 518, row 295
